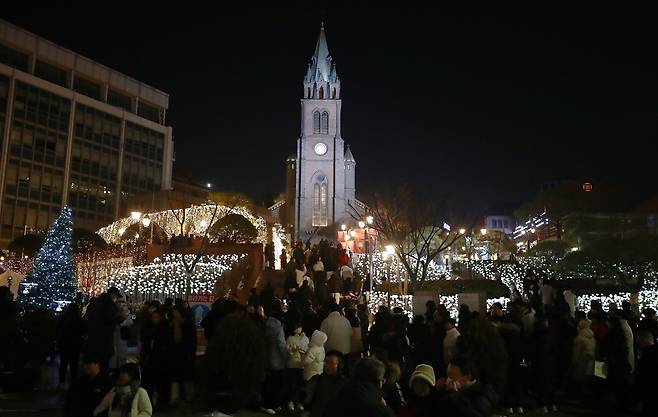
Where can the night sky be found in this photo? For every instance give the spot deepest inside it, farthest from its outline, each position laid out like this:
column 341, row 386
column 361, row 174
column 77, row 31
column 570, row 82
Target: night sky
column 474, row 105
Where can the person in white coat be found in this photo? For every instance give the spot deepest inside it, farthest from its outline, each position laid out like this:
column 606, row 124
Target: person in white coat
column 127, row 398
column 584, row 351
column 297, row 345
column 314, row 358
column 450, row 340
column 338, row 330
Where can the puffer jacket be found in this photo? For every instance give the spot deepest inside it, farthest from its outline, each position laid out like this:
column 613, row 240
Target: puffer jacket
column 297, row 345
column 314, row 358
column 584, row 351
column 276, row 344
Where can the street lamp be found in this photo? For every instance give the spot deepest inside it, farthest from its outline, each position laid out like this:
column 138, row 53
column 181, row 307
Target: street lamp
column 135, row 215
column 343, row 227
column 362, row 224
column 369, row 219
column 208, row 185
column 483, row 232
column 122, row 230
column 462, row 231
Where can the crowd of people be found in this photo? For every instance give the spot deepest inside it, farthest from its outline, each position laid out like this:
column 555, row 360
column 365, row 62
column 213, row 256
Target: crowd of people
column 315, row 349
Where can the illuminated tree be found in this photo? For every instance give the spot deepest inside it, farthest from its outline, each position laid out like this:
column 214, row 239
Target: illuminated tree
column 416, row 229
column 52, row 277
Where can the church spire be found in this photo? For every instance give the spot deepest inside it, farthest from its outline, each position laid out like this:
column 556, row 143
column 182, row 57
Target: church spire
column 321, row 71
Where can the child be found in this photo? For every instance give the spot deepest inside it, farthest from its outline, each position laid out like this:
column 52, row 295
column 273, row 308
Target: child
column 314, row 358
column 127, row 398
column 297, row 345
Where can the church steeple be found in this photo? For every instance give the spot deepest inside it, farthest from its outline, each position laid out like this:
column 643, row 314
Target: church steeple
column 321, row 80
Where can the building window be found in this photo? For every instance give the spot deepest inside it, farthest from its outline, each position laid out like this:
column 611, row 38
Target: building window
column 316, row 122
column 320, row 201
column 119, row 100
column 14, row 59
column 308, row 92
column 149, row 112
column 321, row 92
column 333, row 94
column 87, row 88
column 50, row 73
column 324, row 122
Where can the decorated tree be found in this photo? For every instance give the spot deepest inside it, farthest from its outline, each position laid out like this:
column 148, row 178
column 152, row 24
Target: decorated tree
column 52, row 278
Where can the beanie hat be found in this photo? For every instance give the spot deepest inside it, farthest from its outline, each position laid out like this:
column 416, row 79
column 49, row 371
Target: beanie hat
column 424, row 372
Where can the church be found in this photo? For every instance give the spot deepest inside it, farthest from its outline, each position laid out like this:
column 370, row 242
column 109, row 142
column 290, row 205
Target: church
column 320, row 176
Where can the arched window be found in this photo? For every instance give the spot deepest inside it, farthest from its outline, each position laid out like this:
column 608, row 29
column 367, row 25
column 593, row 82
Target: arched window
column 333, row 94
column 308, row 92
column 320, row 201
column 324, row 122
column 316, row 122
column 321, row 92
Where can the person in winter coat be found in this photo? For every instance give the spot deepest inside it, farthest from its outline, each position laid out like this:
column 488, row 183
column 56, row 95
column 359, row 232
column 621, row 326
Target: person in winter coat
column 362, row 395
column 154, row 356
column 343, row 258
column 450, row 340
column 127, row 398
column 584, row 351
column 356, row 343
column 423, row 397
column 391, row 390
column 102, row 318
column 297, row 345
column 121, row 335
column 322, row 389
column 314, row 358
column 335, row 285
column 277, row 359
column 87, row 391
column 70, row 331
column 465, row 391
column 183, row 353
column 511, row 334
column 338, row 330
column 647, row 369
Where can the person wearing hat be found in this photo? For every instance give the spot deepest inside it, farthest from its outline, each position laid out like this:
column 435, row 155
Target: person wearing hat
column 424, row 397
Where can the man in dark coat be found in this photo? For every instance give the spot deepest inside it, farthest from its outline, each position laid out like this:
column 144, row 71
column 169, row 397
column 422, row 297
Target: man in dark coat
column 102, row 318
column 87, row 391
column 362, row 395
column 323, row 388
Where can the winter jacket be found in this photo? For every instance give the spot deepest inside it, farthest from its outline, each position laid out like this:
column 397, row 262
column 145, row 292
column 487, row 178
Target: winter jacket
column 314, row 358
column 628, row 336
column 321, row 390
column 339, row 332
column 276, row 344
column 359, row 399
column 356, row 343
column 141, row 404
column 102, row 317
column 450, row 344
column 584, row 351
column 85, row 394
column 297, row 345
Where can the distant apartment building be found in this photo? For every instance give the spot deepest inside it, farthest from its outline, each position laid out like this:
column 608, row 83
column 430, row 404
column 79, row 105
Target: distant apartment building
column 74, row 132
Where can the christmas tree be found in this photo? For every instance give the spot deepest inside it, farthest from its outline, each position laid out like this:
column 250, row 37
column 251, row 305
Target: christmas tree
column 52, row 278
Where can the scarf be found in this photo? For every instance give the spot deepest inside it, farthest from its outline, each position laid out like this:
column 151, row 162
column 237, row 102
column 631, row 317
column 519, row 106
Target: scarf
column 123, row 398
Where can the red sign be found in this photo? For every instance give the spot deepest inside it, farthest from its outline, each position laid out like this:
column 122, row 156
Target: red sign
column 200, row 298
